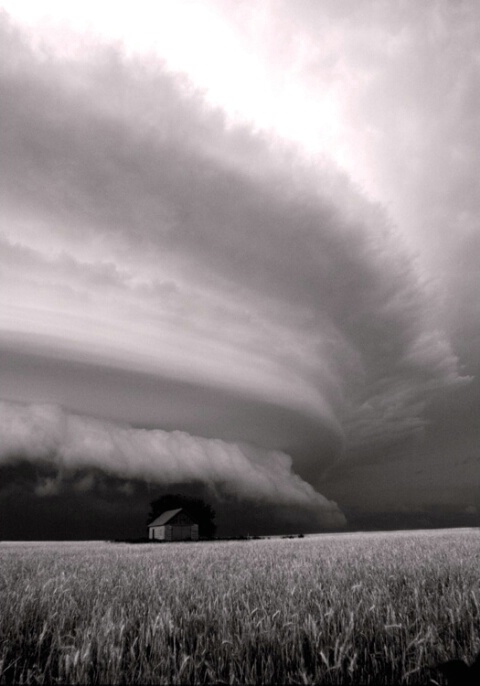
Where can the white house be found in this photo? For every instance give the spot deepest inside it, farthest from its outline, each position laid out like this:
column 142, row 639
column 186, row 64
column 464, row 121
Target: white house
column 173, row 525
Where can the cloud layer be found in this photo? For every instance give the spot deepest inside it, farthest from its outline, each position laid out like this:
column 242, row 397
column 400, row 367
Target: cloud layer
column 72, row 443
column 146, row 233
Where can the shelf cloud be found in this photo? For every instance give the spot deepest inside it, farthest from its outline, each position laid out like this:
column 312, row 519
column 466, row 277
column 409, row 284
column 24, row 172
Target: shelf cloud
column 71, row 443
column 197, row 298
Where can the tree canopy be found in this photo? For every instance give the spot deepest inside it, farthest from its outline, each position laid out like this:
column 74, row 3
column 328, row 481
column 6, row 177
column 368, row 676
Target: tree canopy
column 200, row 511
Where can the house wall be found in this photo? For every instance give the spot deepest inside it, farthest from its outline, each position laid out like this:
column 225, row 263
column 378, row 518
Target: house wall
column 181, row 533
column 157, row 533
column 180, row 528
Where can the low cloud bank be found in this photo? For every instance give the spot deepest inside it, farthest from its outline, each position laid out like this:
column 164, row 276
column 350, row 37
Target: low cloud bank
column 47, row 434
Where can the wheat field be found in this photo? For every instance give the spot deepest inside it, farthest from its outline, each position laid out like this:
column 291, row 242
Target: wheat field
column 331, row 609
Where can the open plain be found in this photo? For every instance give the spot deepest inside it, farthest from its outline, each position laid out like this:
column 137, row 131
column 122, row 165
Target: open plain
column 333, row 608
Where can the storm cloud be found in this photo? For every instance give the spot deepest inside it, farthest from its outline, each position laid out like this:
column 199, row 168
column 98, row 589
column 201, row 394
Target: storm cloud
column 249, row 316
column 71, row 443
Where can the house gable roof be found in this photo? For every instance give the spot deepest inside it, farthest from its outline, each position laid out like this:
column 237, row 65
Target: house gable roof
column 165, row 517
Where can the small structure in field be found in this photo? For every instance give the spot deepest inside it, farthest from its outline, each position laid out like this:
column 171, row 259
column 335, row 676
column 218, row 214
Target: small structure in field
column 173, row 525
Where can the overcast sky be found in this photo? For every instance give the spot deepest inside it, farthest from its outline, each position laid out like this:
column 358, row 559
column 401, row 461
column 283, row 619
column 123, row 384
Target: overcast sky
column 240, row 257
